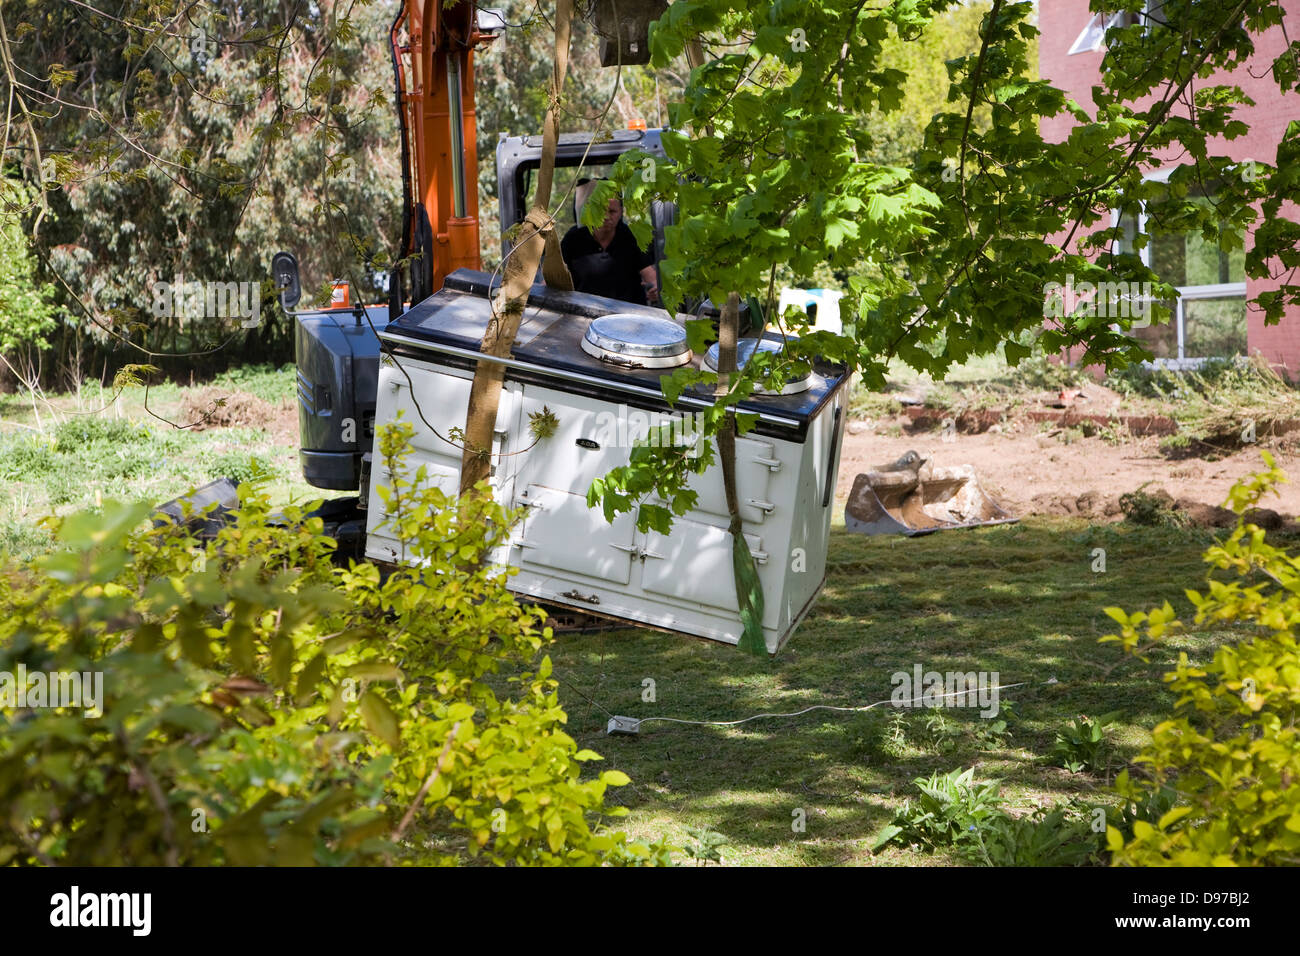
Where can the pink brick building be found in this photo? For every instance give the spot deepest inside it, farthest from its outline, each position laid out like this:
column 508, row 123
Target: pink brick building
column 1211, row 317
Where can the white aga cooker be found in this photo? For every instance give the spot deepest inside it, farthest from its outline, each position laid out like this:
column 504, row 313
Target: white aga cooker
column 595, row 364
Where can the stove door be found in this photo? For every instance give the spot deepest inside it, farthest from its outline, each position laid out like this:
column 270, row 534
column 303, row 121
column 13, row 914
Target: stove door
column 592, row 436
column 755, row 464
column 695, row 564
column 560, row 533
column 440, row 400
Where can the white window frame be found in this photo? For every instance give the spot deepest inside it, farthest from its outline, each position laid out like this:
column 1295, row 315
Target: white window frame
column 1220, row 290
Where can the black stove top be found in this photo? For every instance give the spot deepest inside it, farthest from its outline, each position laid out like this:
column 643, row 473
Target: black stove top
column 548, row 347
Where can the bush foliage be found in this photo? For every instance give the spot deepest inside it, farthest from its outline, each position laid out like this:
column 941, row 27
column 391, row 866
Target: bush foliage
column 263, row 706
column 1231, row 750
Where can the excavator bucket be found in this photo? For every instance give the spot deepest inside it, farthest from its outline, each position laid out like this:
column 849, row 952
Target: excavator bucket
column 915, row 501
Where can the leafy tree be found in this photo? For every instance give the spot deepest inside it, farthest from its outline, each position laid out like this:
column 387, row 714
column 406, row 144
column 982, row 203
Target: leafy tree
column 26, row 312
column 771, row 166
column 953, row 33
column 172, row 142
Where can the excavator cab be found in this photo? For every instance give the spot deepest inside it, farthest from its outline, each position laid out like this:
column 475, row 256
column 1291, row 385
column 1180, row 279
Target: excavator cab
column 433, row 46
column 576, row 157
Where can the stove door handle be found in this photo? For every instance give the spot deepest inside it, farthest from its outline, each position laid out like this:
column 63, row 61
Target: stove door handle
column 830, row 458
column 773, row 463
column 764, row 506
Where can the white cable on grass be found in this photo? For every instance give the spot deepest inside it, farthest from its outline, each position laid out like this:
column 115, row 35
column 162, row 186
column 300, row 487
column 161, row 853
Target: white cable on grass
column 799, row 713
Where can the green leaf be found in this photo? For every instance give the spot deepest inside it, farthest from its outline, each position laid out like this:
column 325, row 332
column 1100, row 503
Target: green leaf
column 379, row 718
column 885, row 836
column 374, row 670
column 1173, row 816
column 542, row 425
column 1016, row 353
column 308, row 678
column 749, row 595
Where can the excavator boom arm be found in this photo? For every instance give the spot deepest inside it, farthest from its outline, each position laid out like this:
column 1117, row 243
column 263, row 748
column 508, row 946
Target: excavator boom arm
column 433, row 48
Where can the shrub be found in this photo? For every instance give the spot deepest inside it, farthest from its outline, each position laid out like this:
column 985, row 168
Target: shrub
column 955, row 811
column 262, row 706
column 1043, row 371
column 240, row 466
column 26, row 457
column 1218, row 403
column 1231, row 750
column 1078, row 747
column 84, row 429
column 704, row 846
column 950, row 809
column 1061, row 836
column 1151, row 509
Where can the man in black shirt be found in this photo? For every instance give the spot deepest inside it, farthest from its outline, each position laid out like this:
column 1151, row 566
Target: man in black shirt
column 607, row 260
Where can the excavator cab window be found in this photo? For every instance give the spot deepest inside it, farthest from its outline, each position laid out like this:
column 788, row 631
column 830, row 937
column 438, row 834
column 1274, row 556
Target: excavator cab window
column 566, row 179
column 578, row 156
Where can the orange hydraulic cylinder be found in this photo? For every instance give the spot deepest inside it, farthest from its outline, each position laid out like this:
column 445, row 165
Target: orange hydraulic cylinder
column 456, row 237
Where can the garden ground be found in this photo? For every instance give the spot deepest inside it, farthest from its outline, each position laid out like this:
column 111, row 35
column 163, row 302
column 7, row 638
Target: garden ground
column 1023, row 600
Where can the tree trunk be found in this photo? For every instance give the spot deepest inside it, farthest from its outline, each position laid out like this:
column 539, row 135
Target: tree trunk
column 536, row 234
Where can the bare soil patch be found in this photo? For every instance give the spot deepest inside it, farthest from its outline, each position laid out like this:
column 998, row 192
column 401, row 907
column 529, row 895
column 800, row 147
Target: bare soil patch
column 1032, row 471
column 212, row 407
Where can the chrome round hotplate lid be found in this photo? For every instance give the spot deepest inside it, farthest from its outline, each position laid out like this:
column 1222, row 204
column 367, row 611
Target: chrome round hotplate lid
column 639, row 341
column 744, row 349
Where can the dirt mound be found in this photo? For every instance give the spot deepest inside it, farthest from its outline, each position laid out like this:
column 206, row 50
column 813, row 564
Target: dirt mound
column 1158, row 506
column 968, row 421
column 212, row 407
column 1090, row 504
column 1030, row 471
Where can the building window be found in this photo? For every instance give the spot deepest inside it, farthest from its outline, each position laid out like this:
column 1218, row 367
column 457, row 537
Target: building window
column 1209, row 313
column 1093, row 37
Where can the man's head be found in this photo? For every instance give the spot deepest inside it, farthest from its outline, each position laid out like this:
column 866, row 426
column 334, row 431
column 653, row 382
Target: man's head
column 613, row 214
column 583, row 192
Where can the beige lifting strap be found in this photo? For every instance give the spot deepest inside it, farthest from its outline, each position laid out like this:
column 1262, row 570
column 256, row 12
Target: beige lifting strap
column 555, row 272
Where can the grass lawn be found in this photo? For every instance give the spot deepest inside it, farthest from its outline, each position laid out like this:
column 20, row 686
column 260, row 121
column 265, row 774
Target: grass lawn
column 1021, row 600
column 74, row 451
